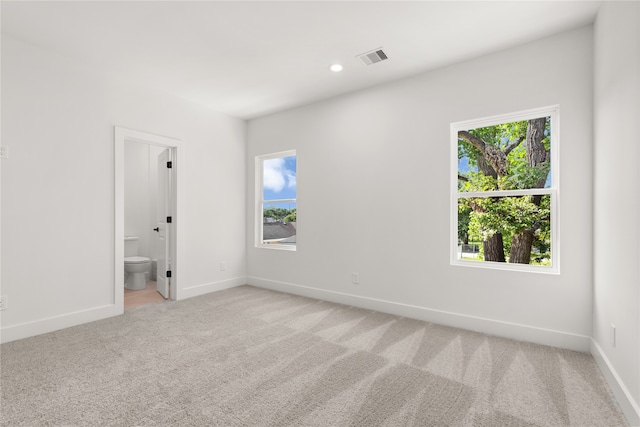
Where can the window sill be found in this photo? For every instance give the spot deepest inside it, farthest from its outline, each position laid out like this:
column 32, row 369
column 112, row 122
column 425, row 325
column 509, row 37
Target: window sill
column 524, row 268
column 277, row 247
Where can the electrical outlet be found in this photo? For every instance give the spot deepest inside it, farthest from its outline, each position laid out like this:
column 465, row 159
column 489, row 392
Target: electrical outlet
column 4, row 152
column 223, row 266
column 3, row 302
column 613, row 335
column 355, row 278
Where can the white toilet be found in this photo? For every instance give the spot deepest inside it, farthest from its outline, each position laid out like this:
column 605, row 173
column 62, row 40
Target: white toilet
column 135, row 266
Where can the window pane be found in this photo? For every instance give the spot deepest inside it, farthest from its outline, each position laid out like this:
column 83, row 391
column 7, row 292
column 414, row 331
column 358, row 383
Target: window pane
column 279, row 223
column 508, row 156
column 513, row 229
column 279, row 178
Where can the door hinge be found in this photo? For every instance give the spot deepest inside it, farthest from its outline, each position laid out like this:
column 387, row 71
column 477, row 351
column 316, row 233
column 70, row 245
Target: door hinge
column 169, row 165
column 168, row 273
column 168, row 219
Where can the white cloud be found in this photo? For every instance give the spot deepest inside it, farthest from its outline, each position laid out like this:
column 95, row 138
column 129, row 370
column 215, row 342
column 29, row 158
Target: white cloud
column 273, row 176
column 291, row 179
column 277, row 176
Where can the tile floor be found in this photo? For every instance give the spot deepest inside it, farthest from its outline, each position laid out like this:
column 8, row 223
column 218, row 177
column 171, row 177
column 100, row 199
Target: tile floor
column 149, row 295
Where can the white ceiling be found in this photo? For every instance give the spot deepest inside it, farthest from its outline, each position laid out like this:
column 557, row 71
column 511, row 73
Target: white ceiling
column 248, row 59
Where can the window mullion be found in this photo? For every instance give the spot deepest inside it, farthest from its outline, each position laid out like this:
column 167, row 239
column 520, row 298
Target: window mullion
column 504, row 193
column 279, row 201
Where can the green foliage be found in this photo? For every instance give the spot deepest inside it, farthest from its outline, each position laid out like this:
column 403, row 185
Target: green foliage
column 500, row 136
column 507, row 215
column 464, row 217
column 280, row 214
column 522, row 176
column 292, row 217
column 479, row 218
column 479, row 182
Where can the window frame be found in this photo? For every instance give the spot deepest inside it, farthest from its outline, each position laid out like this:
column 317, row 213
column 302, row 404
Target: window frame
column 260, row 201
column 554, row 190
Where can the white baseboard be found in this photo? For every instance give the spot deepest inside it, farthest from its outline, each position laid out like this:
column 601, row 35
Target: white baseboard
column 55, row 323
column 630, row 408
column 194, row 291
column 488, row 326
column 67, row 320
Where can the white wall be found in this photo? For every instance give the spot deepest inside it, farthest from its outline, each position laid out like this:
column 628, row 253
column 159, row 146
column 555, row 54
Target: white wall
column 617, row 199
column 58, row 188
column 136, row 194
column 373, row 195
column 141, row 194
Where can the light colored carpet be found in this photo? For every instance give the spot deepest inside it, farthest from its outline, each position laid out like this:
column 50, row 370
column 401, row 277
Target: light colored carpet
column 252, row 357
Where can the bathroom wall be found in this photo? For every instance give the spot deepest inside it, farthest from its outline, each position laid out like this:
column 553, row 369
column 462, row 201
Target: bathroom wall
column 141, row 195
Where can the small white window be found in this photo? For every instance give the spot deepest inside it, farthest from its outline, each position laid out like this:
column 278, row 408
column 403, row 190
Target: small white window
column 504, row 188
column 276, row 193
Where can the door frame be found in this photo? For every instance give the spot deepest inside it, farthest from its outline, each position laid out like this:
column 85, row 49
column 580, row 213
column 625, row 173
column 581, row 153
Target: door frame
column 176, row 247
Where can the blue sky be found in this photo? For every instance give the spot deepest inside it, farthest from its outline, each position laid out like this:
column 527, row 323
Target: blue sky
column 280, row 178
column 463, row 166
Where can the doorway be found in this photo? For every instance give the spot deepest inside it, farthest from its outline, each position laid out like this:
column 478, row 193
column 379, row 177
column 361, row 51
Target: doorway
column 160, row 231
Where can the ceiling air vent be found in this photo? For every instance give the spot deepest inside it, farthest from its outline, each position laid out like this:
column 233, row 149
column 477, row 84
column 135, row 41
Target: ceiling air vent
column 373, row 56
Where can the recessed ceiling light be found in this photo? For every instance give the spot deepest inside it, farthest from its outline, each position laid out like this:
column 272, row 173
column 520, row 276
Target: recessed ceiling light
column 336, row 68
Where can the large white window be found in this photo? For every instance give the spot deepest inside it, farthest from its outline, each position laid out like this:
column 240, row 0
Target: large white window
column 504, row 187
column 276, row 193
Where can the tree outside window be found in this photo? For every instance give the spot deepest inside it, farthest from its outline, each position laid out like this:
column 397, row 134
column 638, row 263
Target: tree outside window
column 505, row 191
